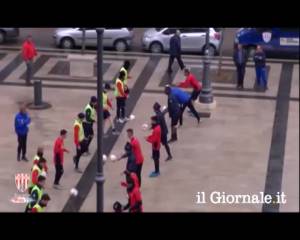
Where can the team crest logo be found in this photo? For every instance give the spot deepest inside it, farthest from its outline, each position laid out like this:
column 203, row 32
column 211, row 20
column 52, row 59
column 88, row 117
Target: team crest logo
column 22, row 184
column 267, row 36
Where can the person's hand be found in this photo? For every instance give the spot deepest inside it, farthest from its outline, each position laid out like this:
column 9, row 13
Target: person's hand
column 78, row 147
column 67, row 151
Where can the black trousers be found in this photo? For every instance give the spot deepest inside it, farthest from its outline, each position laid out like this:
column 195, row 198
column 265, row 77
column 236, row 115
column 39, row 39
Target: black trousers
column 22, row 143
column 89, row 133
column 190, row 105
column 121, row 103
column 156, row 156
column 195, row 94
column 59, row 170
column 164, row 141
column 139, row 172
column 240, row 74
column 179, row 60
column 80, row 151
column 29, row 66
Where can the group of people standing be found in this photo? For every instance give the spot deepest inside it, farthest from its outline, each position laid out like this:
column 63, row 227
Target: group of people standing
column 240, row 58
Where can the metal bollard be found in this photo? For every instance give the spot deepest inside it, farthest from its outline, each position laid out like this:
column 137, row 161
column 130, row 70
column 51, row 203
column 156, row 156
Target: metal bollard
column 37, row 92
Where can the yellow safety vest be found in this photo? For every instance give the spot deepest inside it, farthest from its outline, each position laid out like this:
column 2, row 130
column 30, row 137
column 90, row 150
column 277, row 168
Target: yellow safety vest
column 81, row 132
column 105, row 100
column 126, row 75
column 39, row 191
column 35, row 167
column 117, row 93
column 93, row 111
column 39, row 208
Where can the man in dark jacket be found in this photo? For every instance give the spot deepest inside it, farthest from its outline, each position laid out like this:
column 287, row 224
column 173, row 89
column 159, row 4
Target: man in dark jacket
column 260, row 67
column 240, row 59
column 174, row 113
column 175, row 51
column 22, row 120
column 164, row 129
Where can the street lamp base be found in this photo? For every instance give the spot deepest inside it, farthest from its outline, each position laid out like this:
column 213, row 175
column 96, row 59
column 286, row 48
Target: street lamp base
column 207, row 106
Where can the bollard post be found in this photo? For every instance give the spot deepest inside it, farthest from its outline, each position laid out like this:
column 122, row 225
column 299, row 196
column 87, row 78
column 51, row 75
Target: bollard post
column 37, row 92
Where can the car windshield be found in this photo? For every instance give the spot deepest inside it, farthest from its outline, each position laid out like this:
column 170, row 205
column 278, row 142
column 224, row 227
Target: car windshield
column 158, row 29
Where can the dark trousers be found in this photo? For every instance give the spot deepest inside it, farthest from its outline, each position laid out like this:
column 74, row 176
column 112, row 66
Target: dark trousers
column 89, row 133
column 240, row 74
column 190, row 105
column 164, row 142
column 261, row 76
column 59, row 170
column 179, row 60
column 156, row 156
column 139, row 172
column 29, row 66
column 121, row 102
column 195, row 94
column 80, row 151
column 22, row 142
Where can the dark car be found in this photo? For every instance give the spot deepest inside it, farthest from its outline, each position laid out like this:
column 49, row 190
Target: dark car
column 8, row 33
column 274, row 41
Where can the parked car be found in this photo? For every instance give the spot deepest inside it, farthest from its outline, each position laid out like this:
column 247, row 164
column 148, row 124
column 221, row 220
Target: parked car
column 157, row 40
column 8, row 33
column 273, row 40
column 118, row 38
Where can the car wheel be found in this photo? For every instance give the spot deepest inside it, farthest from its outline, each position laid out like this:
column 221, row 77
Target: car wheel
column 67, row 43
column 2, row 37
column 251, row 52
column 211, row 50
column 156, row 47
column 120, row 46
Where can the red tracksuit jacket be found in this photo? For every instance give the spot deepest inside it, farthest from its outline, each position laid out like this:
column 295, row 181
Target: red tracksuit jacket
column 155, row 137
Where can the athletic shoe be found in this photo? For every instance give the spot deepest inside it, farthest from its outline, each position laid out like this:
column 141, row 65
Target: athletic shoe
column 154, row 174
column 78, row 170
column 115, row 132
column 169, row 158
column 25, row 159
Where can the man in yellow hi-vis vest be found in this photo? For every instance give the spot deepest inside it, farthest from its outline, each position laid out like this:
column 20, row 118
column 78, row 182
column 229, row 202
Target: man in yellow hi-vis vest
column 42, row 204
column 121, row 97
column 79, row 140
column 36, row 193
column 125, row 69
column 90, row 118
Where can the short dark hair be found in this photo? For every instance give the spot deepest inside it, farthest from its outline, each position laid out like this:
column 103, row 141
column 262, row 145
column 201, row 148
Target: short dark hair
column 129, row 130
column 126, row 64
column 46, row 197
column 63, row 132
column 81, row 115
column 93, row 99
column 41, row 178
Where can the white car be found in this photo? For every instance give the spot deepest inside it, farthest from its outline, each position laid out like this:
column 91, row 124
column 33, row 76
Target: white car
column 157, row 40
column 117, row 38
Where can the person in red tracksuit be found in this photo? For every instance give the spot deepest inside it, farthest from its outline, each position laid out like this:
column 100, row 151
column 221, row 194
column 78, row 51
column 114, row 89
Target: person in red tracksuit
column 155, row 139
column 28, row 53
column 58, row 152
column 137, row 151
column 191, row 81
column 135, row 204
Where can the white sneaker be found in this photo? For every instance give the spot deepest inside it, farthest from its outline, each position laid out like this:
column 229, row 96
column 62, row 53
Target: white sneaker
column 121, row 120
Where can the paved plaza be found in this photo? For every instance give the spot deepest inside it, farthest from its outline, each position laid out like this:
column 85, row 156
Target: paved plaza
column 248, row 144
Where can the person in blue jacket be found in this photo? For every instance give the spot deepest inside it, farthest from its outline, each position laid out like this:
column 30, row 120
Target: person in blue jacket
column 185, row 100
column 22, row 120
column 260, row 67
column 174, row 113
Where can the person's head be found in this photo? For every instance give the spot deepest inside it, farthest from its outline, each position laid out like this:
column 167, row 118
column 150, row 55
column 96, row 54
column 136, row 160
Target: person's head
column 239, row 46
column 93, row 101
column 130, row 133
column 81, row 116
column 154, row 121
column 187, row 72
column 29, row 38
column 156, row 107
column 22, row 108
column 259, row 48
column 117, row 207
column 177, row 32
column 63, row 133
column 167, row 89
column 40, row 151
column 122, row 75
column 44, row 200
column 126, row 64
column 41, row 180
